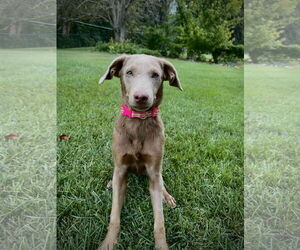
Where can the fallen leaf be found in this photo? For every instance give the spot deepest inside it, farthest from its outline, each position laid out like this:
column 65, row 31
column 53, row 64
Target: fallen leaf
column 12, row 137
column 64, row 137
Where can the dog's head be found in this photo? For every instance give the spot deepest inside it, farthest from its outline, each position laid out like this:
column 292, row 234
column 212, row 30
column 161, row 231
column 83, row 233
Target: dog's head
column 141, row 78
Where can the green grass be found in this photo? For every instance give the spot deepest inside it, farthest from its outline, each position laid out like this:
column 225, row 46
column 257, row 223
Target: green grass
column 28, row 173
column 272, row 191
column 203, row 162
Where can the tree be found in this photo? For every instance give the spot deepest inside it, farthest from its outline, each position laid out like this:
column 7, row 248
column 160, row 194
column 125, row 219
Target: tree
column 70, row 11
column 207, row 26
column 15, row 15
column 149, row 13
column 113, row 12
column 265, row 21
column 149, row 18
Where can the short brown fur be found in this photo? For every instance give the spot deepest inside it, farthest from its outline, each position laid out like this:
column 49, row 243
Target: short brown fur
column 138, row 146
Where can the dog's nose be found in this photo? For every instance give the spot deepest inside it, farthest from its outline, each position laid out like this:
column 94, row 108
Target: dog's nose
column 140, row 98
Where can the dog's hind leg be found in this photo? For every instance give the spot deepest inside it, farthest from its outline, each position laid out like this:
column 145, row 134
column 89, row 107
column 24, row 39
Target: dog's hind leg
column 119, row 183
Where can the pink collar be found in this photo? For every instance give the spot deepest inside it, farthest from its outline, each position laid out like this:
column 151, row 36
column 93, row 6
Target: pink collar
column 138, row 114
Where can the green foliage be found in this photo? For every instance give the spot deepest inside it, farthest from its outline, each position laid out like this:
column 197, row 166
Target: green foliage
column 292, row 51
column 281, row 53
column 265, row 22
column 156, row 38
column 125, row 47
column 102, row 46
column 233, row 53
column 187, row 29
column 77, row 40
column 148, row 52
column 237, row 50
column 164, row 38
column 201, row 58
column 27, row 40
column 175, row 50
column 177, row 29
column 122, row 47
column 207, row 26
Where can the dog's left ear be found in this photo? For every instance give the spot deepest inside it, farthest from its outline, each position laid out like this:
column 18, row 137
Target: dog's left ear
column 170, row 74
column 113, row 69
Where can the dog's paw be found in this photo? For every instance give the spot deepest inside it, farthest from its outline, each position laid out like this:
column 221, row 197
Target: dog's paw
column 169, row 199
column 109, row 185
column 161, row 245
column 107, row 245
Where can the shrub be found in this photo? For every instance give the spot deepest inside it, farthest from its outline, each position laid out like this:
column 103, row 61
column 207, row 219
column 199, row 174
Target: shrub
column 282, row 53
column 175, row 50
column 201, row 58
column 125, row 47
column 149, row 52
column 117, row 47
column 237, row 51
column 155, row 39
column 102, row 46
column 163, row 38
column 232, row 53
column 77, row 40
column 291, row 51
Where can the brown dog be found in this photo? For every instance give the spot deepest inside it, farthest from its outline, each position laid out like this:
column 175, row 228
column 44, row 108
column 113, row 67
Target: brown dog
column 138, row 137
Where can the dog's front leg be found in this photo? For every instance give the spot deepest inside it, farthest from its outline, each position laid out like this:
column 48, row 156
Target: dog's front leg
column 156, row 192
column 119, row 183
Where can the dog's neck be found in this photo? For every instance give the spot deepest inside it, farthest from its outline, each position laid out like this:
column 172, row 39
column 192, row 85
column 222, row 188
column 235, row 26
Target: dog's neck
column 126, row 111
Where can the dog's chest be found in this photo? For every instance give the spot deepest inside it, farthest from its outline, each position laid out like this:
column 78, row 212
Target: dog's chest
column 137, row 156
column 138, row 143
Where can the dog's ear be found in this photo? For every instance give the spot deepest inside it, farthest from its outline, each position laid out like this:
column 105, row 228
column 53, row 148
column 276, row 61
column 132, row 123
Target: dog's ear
column 113, row 69
column 170, row 74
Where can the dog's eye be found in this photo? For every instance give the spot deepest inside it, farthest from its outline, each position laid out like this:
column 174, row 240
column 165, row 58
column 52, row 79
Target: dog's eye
column 129, row 72
column 155, row 75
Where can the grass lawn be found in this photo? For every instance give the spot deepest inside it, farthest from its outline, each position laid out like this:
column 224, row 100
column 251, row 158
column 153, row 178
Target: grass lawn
column 203, row 163
column 28, row 173
column 272, row 146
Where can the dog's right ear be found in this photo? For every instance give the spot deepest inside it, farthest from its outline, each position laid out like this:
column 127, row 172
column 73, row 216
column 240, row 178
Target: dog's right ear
column 113, row 69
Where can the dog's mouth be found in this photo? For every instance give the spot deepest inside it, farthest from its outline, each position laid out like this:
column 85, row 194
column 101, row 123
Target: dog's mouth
column 141, row 108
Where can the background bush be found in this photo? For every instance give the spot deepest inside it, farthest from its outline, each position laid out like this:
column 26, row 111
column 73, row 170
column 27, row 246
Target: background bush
column 163, row 38
column 78, row 40
column 280, row 53
column 232, row 53
column 125, row 47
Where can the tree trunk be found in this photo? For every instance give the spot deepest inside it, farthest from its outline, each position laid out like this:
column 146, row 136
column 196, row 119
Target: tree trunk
column 215, row 56
column 12, row 29
column 118, row 13
column 66, row 28
column 122, row 34
column 19, row 28
column 119, row 34
column 15, row 29
column 116, row 35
